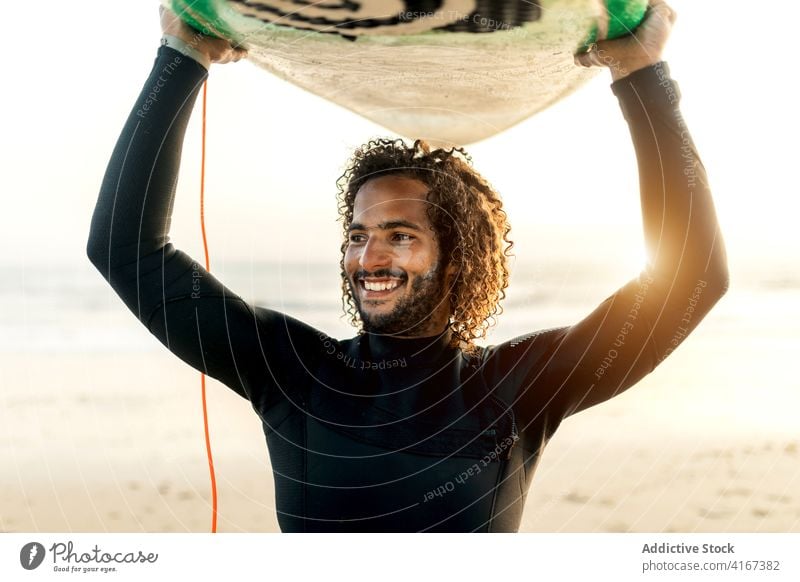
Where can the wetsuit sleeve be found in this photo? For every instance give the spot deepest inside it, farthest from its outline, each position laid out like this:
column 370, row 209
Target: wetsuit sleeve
column 569, row 369
column 192, row 313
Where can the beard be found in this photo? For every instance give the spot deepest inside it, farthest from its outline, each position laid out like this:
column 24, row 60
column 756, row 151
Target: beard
column 411, row 311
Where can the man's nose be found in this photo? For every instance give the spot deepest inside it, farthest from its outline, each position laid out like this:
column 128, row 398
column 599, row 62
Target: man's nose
column 376, row 254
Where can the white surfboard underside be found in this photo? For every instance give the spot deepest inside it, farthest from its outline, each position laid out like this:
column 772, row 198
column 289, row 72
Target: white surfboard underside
column 445, row 87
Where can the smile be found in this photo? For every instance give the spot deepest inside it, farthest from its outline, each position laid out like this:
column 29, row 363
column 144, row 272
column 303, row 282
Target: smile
column 381, row 286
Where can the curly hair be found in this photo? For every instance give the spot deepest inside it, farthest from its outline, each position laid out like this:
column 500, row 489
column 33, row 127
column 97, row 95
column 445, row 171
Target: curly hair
column 468, row 220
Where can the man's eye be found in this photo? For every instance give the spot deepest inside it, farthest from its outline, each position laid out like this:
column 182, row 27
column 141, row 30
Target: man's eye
column 357, row 238
column 403, row 237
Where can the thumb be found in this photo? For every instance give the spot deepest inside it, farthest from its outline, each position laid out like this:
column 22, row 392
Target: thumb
column 662, row 10
column 596, row 55
column 584, row 57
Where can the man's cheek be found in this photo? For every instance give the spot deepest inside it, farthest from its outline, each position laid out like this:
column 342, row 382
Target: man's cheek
column 350, row 264
column 404, row 255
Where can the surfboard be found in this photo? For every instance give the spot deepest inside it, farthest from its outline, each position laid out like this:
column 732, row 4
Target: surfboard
column 449, row 71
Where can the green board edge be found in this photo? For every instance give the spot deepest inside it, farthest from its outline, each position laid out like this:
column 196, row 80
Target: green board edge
column 623, row 18
column 209, row 17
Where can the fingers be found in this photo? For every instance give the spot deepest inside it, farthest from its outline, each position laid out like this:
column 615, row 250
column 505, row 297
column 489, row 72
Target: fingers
column 231, row 55
column 587, row 58
column 595, row 55
column 660, row 9
column 224, row 53
column 218, row 50
column 170, row 23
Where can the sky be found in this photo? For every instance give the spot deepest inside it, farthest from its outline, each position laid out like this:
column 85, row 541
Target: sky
column 275, row 151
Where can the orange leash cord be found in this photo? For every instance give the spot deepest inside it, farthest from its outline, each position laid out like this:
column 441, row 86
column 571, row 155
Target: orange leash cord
column 208, row 268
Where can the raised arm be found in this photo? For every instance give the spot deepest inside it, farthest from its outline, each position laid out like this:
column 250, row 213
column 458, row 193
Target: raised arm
column 569, row 369
column 184, row 306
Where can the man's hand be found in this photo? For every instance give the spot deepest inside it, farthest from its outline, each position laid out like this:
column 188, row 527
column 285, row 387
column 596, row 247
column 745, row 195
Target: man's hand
column 630, row 53
column 216, row 49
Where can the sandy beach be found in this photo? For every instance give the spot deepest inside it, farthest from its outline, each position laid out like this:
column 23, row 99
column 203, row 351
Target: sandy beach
column 101, row 427
column 113, row 442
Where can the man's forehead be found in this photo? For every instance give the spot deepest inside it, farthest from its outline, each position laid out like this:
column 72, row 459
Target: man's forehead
column 391, row 202
column 391, row 198
column 392, row 187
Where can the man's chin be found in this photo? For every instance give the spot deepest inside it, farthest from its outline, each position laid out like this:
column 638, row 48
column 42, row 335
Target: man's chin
column 373, row 322
column 382, row 322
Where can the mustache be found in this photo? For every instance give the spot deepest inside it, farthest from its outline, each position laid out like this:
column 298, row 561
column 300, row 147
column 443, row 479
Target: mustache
column 394, row 273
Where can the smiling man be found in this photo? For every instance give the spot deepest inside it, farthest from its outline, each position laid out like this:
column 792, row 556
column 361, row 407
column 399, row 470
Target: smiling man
column 409, row 425
column 403, row 274
column 394, row 271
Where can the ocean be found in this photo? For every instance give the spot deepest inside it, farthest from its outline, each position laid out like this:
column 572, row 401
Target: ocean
column 70, row 308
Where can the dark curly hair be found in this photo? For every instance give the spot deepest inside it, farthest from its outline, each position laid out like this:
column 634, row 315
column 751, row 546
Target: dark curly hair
column 468, row 219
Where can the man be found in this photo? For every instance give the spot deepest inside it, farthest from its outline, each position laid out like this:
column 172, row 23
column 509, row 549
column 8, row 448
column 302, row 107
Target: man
column 409, row 426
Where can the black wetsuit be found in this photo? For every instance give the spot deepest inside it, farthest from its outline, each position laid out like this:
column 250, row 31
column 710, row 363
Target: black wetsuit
column 387, row 434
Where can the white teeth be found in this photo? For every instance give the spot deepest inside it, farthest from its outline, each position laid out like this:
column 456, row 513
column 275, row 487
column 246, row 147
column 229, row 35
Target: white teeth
column 370, row 286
